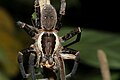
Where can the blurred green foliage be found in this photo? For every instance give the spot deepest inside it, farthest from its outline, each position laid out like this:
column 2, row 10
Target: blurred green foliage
column 8, row 45
column 93, row 40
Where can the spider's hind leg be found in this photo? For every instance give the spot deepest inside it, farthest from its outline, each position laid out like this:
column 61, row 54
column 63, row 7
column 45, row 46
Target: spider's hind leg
column 31, row 66
column 76, row 63
column 27, row 51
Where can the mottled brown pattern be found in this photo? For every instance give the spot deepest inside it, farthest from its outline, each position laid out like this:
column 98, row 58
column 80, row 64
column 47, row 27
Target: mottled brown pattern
column 48, row 44
column 48, row 17
column 46, row 52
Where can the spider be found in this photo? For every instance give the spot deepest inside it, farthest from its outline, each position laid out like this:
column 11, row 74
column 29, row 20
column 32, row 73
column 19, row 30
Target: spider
column 47, row 52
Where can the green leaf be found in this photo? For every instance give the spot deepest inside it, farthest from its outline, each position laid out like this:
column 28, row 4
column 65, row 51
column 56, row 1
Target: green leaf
column 95, row 76
column 91, row 41
column 34, row 16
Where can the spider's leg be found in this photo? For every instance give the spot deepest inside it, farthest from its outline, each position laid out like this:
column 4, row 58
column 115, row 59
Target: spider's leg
column 61, row 14
column 63, row 6
column 29, row 29
column 77, row 59
column 62, row 68
column 20, row 61
column 68, row 36
column 75, row 41
column 38, row 14
column 31, row 66
column 59, row 22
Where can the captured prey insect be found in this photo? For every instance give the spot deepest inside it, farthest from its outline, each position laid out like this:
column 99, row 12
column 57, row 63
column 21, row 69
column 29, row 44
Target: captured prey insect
column 47, row 52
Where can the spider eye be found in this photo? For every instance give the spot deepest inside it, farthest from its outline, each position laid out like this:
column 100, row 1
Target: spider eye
column 52, row 17
column 45, row 17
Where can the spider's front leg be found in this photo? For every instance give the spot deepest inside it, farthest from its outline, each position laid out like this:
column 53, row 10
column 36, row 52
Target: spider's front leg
column 38, row 14
column 61, row 14
column 63, row 6
column 29, row 29
column 28, row 51
column 76, row 58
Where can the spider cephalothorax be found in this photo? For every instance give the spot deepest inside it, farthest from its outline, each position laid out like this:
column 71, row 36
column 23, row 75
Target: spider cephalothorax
column 48, row 17
column 47, row 52
column 48, row 41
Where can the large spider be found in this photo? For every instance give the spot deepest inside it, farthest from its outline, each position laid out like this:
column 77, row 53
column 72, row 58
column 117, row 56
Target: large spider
column 47, row 52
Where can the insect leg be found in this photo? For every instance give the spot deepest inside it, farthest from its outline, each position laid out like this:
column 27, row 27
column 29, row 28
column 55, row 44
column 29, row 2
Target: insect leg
column 68, row 36
column 77, row 59
column 29, row 29
column 20, row 61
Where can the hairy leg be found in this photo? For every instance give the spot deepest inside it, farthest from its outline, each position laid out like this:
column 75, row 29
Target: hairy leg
column 37, row 22
column 63, row 6
column 20, row 61
column 76, row 31
column 76, row 58
column 61, row 14
column 31, row 66
column 62, row 68
column 29, row 29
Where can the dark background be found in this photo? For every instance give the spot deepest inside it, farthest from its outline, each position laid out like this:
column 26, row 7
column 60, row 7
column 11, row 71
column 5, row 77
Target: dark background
column 95, row 14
